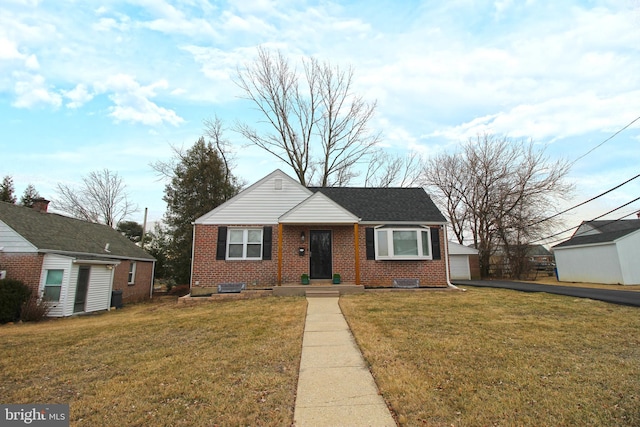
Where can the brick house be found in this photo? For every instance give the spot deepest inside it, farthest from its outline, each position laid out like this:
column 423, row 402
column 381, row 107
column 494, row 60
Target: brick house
column 276, row 230
column 75, row 264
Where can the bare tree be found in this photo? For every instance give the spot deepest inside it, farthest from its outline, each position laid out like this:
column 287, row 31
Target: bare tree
column 319, row 127
column 386, row 170
column 102, row 199
column 214, row 129
column 499, row 190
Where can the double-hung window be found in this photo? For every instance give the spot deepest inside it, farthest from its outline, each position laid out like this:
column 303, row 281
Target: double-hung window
column 403, row 243
column 53, row 285
column 132, row 273
column 244, row 243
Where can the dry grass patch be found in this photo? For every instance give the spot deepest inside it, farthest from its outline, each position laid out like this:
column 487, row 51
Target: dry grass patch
column 498, row 357
column 231, row 363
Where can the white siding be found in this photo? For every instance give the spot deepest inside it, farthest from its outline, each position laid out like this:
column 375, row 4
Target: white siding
column 318, row 209
column 591, row 264
column 99, row 292
column 459, row 265
column 58, row 262
column 629, row 255
column 11, row 241
column 262, row 203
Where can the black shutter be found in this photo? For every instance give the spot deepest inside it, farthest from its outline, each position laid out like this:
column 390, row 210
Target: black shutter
column 221, row 249
column 266, row 242
column 371, row 249
column 435, row 242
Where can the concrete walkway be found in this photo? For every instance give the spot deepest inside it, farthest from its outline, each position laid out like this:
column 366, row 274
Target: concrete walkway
column 335, row 388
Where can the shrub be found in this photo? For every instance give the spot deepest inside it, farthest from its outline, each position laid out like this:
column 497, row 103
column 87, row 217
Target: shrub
column 34, row 309
column 13, row 293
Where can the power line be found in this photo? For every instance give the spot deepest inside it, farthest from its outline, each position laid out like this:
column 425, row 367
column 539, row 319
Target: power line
column 598, row 217
column 602, row 143
column 585, row 202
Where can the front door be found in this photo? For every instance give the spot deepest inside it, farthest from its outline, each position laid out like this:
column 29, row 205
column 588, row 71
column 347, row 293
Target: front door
column 81, row 289
column 320, row 257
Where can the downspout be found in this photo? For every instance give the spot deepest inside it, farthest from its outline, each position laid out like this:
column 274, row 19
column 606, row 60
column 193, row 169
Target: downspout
column 153, row 275
column 446, row 260
column 193, row 251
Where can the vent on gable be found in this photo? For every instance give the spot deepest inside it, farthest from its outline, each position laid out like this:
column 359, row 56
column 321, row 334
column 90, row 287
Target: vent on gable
column 278, row 184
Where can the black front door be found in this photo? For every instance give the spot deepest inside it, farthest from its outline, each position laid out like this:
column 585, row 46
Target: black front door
column 320, row 258
column 81, row 289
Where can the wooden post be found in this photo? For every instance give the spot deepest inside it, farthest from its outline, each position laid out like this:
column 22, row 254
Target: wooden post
column 357, row 252
column 280, row 254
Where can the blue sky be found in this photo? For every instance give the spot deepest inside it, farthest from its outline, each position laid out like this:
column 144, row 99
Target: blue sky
column 91, row 85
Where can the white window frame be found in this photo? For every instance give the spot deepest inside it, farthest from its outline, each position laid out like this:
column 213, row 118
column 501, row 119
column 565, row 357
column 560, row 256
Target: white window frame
column 245, row 243
column 53, row 285
column 390, row 255
column 132, row 273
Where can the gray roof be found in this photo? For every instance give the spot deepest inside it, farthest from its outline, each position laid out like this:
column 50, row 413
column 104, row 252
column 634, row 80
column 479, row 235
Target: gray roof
column 57, row 233
column 385, row 204
column 609, row 231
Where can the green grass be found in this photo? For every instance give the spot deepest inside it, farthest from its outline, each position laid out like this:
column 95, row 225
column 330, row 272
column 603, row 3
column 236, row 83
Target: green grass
column 231, row 363
column 497, row 357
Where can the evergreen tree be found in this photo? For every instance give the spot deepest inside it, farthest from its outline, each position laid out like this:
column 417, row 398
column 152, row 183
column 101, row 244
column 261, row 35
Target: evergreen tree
column 131, row 229
column 30, row 194
column 7, row 191
column 199, row 182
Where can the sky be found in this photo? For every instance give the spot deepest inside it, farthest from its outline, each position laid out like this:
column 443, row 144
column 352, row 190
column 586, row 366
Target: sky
column 86, row 86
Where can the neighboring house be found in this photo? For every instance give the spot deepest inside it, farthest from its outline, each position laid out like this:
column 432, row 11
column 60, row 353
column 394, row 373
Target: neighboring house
column 74, row 264
column 464, row 262
column 277, row 230
column 601, row 252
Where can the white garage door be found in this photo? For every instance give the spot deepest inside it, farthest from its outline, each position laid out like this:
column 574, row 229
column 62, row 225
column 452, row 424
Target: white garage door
column 460, row 267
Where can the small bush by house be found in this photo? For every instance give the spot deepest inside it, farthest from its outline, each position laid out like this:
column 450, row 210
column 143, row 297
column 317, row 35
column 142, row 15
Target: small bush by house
column 13, row 294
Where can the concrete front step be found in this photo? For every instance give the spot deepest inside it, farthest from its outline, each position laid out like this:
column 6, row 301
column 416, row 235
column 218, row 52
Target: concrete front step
column 302, row 290
column 321, row 293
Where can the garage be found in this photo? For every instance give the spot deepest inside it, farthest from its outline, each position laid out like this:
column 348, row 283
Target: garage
column 463, row 262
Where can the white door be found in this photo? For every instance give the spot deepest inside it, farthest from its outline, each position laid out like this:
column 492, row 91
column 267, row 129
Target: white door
column 459, row 267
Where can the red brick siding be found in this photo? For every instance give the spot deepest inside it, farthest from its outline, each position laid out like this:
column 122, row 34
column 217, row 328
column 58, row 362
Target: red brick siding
column 381, row 273
column 140, row 290
column 208, row 272
column 24, row 267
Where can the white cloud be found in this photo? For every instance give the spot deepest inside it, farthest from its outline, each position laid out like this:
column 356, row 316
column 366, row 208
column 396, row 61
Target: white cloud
column 78, row 96
column 552, row 119
column 132, row 103
column 32, row 91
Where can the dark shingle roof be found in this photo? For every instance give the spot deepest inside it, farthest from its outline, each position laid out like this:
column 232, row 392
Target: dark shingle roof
column 609, row 232
column 385, row 204
column 53, row 232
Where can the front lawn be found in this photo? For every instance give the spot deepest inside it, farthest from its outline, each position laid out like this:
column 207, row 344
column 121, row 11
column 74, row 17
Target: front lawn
column 497, row 357
column 230, row 363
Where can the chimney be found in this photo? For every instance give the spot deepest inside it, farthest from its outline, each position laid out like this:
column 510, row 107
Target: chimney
column 40, row 204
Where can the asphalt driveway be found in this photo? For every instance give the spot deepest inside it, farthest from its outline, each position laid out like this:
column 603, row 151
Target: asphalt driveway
column 612, row 296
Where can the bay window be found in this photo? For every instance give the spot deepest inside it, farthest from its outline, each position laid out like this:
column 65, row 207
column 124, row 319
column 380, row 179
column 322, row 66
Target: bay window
column 403, row 243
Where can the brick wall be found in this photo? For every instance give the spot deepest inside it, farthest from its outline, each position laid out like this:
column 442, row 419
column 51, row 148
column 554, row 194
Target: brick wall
column 25, row 267
column 209, row 272
column 142, row 283
column 375, row 273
